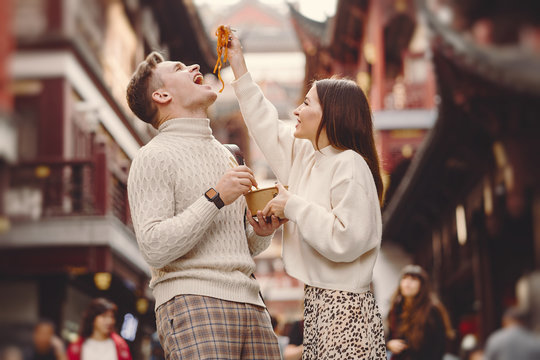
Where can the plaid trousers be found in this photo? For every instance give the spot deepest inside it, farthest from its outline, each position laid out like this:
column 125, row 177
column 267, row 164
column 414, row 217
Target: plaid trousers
column 201, row 327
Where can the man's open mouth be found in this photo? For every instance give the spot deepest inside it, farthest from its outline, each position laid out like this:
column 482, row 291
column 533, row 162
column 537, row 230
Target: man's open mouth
column 198, row 79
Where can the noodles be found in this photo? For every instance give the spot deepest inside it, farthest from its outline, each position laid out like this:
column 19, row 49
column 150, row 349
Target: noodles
column 222, row 34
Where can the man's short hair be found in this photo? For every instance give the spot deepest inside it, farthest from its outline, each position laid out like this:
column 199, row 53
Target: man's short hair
column 45, row 322
column 141, row 86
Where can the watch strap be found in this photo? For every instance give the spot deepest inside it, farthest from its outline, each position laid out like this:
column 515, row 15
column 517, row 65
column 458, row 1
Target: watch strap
column 213, row 196
column 218, row 201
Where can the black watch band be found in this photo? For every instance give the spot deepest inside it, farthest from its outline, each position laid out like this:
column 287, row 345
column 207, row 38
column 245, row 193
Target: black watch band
column 213, row 196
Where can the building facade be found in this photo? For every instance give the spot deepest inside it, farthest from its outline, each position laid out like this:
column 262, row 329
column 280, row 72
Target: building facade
column 7, row 143
column 66, row 234
column 467, row 207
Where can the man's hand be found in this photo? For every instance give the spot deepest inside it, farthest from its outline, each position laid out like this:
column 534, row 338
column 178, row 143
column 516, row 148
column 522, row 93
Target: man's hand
column 235, row 182
column 264, row 226
column 276, row 206
column 236, row 56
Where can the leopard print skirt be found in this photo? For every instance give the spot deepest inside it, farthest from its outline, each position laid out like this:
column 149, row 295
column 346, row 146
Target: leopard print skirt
column 342, row 325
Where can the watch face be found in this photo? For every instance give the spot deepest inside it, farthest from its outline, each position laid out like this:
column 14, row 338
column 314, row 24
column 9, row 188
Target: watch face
column 211, row 193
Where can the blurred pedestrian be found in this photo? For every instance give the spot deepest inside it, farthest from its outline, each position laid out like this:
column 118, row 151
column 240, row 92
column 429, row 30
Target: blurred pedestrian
column 293, row 351
column 156, row 351
column 283, row 340
column 418, row 323
column 514, row 340
column 475, row 353
column 11, row 352
column 331, row 166
column 98, row 340
column 189, row 216
column 470, row 348
column 45, row 344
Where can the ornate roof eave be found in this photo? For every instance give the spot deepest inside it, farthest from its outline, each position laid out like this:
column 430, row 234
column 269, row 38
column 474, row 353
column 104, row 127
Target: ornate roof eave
column 316, row 31
column 442, row 169
column 392, row 218
column 508, row 66
column 346, row 29
column 183, row 32
column 511, row 69
column 240, row 5
column 206, row 47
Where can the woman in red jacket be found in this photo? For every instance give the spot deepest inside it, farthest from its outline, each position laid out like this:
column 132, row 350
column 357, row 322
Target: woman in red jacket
column 98, row 341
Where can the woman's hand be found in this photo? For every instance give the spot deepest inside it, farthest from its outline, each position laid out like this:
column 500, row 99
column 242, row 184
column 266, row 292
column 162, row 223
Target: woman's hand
column 276, row 206
column 396, row 346
column 261, row 226
column 236, row 56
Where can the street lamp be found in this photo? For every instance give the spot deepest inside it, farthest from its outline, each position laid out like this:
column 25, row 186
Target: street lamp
column 102, row 280
column 461, row 225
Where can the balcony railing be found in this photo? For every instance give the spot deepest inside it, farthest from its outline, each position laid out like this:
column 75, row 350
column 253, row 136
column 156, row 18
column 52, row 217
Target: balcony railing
column 56, row 188
column 401, row 96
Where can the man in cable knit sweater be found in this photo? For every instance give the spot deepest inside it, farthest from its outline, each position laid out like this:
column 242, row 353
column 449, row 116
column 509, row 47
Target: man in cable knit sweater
column 189, row 218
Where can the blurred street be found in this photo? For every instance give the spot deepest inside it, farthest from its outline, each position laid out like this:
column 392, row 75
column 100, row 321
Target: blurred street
column 454, row 87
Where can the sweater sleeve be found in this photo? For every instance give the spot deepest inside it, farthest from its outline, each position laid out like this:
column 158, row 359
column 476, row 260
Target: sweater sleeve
column 162, row 235
column 273, row 136
column 346, row 231
column 257, row 244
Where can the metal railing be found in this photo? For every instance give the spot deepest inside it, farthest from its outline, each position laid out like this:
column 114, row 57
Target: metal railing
column 56, row 187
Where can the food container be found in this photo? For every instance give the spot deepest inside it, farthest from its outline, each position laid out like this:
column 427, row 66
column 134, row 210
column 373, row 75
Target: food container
column 257, row 199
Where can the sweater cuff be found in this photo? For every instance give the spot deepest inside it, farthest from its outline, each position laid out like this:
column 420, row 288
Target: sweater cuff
column 257, row 244
column 205, row 208
column 292, row 207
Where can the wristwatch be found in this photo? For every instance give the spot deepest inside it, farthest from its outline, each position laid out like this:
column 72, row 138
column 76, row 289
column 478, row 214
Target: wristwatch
column 213, row 196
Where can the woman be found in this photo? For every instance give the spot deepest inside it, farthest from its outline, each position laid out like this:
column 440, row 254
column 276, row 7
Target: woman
column 97, row 340
column 417, row 321
column 332, row 239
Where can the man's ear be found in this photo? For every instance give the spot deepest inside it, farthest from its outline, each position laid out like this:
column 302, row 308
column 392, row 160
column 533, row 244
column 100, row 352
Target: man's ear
column 161, row 96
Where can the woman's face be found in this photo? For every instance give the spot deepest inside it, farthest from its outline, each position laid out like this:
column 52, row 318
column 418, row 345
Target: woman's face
column 308, row 117
column 409, row 286
column 104, row 323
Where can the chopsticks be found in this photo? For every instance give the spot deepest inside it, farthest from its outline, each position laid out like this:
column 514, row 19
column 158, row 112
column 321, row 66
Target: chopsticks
column 233, row 163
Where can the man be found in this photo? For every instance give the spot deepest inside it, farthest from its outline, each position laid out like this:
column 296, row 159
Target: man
column 189, row 216
column 45, row 344
column 514, row 340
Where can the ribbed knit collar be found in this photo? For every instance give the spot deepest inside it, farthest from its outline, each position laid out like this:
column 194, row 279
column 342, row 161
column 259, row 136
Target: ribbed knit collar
column 327, row 151
column 195, row 127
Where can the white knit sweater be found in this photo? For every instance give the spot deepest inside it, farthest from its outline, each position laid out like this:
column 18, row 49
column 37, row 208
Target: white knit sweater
column 190, row 245
column 334, row 235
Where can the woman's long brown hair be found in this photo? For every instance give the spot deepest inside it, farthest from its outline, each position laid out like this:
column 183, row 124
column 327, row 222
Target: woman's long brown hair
column 410, row 319
column 346, row 117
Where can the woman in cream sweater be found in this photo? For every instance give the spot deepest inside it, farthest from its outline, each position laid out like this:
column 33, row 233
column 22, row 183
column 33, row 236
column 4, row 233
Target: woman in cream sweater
column 331, row 242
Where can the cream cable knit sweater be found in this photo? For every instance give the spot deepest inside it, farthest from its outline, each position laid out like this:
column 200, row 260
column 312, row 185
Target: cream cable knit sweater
column 190, row 245
column 334, row 235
